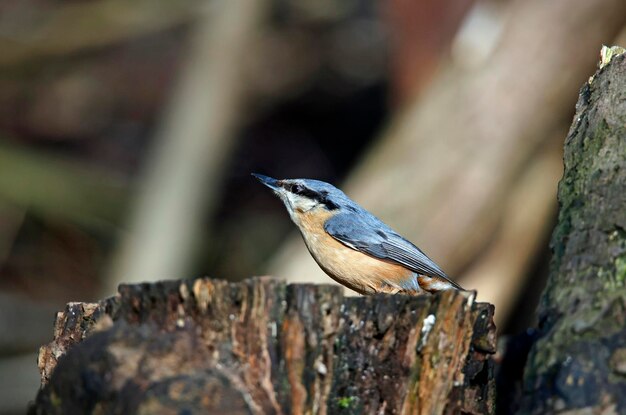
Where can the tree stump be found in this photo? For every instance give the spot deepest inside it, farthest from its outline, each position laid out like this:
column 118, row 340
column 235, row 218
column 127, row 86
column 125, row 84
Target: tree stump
column 264, row 347
column 578, row 363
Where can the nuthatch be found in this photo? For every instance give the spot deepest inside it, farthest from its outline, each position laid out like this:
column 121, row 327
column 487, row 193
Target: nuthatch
column 351, row 245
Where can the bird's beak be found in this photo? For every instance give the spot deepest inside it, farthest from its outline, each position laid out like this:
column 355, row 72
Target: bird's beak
column 268, row 181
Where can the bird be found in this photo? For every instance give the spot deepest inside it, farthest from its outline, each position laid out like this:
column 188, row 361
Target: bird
column 353, row 246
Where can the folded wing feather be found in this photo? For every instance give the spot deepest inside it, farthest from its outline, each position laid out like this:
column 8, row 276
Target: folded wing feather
column 366, row 233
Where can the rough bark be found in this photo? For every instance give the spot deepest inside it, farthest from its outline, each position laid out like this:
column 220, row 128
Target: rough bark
column 578, row 363
column 264, row 347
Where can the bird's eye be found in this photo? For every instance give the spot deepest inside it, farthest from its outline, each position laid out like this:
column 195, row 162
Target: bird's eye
column 297, row 189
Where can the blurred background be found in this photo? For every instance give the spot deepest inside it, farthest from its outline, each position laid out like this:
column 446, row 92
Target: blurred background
column 128, row 132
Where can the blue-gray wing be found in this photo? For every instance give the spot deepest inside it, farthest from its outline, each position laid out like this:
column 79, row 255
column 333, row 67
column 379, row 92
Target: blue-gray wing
column 366, row 233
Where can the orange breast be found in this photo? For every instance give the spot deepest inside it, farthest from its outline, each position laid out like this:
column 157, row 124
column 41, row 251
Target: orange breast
column 358, row 271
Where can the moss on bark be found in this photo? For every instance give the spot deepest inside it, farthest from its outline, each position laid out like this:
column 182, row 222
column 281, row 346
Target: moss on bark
column 576, row 361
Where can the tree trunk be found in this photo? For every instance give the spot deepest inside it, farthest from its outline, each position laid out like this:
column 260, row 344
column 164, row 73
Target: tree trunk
column 264, row 347
column 579, row 360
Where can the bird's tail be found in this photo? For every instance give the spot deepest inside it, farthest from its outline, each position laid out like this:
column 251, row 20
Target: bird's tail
column 436, row 284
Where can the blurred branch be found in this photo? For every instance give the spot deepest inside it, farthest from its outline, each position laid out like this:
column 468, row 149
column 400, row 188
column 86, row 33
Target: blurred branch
column 193, row 146
column 73, row 27
column 530, row 205
column 442, row 172
column 52, row 186
column 432, row 25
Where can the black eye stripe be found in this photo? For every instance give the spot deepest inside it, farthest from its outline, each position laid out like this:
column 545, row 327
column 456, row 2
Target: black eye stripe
column 299, row 189
column 321, row 197
column 329, row 205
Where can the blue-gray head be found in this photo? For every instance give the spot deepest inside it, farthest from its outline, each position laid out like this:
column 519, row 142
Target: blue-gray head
column 303, row 195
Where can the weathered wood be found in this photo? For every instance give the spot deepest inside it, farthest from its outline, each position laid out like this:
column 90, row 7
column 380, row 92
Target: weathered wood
column 264, row 347
column 578, row 362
